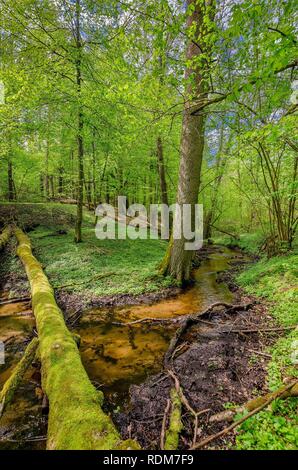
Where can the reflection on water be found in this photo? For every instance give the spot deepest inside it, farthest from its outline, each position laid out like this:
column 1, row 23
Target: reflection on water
column 22, row 426
column 117, row 356
column 114, row 356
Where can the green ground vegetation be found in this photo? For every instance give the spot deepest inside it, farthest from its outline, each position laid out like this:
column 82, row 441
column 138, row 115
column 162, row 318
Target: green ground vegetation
column 93, row 267
column 275, row 280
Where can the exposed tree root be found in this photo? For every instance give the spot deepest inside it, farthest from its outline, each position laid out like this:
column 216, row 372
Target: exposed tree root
column 255, row 406
column 76, row 419
column 164, row 423
column 11, row 385
column 4, row 236
column 193, row 319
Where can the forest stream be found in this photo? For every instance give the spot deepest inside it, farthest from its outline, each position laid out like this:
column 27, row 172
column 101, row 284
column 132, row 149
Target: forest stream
column 115, row 356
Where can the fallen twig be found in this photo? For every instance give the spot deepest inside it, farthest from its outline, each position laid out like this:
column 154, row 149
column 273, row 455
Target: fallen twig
column 15, row 300
column 261, row 353
column 164, row 423
column 271, row 397
column 260, row 330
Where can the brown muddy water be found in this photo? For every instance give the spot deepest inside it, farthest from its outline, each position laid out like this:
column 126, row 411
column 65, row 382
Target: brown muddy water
column 115, row 356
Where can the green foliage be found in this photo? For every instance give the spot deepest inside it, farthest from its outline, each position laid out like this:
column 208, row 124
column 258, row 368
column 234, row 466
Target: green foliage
column 275, row 427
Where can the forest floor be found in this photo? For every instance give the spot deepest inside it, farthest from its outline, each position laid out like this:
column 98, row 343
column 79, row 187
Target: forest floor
column 215, row 369
column 94, row 272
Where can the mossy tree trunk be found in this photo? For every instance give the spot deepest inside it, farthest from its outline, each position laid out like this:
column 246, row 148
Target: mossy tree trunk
column 4, row 236
column 11, row 385
column 76, row 420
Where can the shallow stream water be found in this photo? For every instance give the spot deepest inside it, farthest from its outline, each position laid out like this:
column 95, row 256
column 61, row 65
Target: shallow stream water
column 115, row 356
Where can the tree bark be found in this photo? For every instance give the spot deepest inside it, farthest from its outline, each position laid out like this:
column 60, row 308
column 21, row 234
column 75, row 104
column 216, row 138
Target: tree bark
column 178, row 263
column 76, row 420
column 80, row 123
column 161, row 171
column 11, row 385
column 10, row 181
column 4, row 237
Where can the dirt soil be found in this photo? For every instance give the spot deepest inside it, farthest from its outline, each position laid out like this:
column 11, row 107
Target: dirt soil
column 215, row 367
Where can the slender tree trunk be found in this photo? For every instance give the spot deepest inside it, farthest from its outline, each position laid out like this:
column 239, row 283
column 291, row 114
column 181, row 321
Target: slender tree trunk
column 94, row 170
column 60, row 180
column 10, row 181
column 161, row 171
column 219, row 168
column 41, row 184
column 177, row 262
column 47, row 154
column 80, row 123
column 52, row 185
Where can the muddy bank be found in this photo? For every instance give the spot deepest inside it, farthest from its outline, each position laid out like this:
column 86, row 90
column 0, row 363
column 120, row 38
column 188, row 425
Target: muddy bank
column 215, row 367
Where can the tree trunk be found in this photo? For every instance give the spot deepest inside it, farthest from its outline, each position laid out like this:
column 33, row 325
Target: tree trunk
column 41, row 184
column 80, row 194
column 52, row 185
column 76, row 420
column 161, row 171
column 4, row 237
column 47, row 154
column 60, row 180
column 94, row 170
column 178, row 263
column 11, row 385
column 10, row 181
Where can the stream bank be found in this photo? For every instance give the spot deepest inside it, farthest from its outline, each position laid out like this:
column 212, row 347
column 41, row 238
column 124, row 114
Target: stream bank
column 122, row 358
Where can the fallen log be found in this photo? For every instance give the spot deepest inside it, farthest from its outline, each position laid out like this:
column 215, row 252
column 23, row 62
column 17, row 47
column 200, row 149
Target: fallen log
column 76, row 420
column 11, row 385
column 282, row 392
column 4, row 236
column 254, row 411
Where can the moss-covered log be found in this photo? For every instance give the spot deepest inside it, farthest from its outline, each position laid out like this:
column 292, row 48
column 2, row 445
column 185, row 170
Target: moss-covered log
column 175, row 424
column 11, row 385
column 76, row 419
column 4, row 236
column 283, row 392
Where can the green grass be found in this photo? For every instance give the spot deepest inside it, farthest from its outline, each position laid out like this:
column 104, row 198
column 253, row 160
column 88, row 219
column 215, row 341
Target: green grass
column 127, row 266
column 277, row 426
column 249, row 242
column 130, row 265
